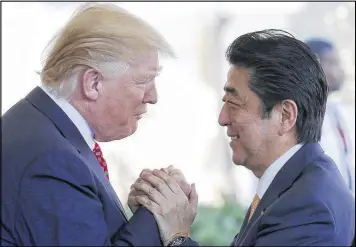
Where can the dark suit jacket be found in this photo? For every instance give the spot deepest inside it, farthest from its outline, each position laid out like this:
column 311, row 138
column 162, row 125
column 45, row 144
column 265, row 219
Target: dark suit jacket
column 54, row 191
column 308, row 203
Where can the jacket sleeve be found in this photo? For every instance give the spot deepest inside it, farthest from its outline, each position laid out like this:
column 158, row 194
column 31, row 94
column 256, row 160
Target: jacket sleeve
column 307, row 222
column 58, row 205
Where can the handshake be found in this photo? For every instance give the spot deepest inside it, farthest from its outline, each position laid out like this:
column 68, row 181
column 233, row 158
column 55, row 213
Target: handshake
column 168, row 196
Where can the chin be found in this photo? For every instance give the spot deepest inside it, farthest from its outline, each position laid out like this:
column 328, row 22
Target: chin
column 237, row 159
column 237, row 162
column 128, row 132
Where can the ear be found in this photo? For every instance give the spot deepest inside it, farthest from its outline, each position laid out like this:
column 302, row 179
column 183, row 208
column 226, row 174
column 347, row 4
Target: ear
column 288, row 115
column 91, row 82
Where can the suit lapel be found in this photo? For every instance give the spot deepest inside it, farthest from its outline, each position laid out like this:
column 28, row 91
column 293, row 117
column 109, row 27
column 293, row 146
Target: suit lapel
column 243, row 228
column 283, row 180
column 95, row 166
column 39, row 99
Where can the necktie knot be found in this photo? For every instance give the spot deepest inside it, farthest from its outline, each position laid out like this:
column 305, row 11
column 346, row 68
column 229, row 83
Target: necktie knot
column 99, row 156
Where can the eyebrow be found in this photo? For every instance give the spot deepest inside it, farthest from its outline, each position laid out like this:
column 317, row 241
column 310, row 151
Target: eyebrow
column 232, row 90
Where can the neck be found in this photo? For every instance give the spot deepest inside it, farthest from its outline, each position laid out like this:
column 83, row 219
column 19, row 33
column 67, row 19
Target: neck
column 83, row 109
column 275, row 152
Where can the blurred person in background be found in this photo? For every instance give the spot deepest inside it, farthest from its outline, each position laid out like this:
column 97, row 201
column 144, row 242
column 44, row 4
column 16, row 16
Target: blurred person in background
column 337, row 138
column 274, row 106
column 97, row 79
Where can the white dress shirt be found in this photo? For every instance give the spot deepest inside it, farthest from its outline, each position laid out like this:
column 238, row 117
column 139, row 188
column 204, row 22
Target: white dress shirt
column 78, row 120
column 268, row 176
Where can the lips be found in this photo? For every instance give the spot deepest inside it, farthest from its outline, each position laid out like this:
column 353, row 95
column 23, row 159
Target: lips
column 233, row 136
column 140, row 115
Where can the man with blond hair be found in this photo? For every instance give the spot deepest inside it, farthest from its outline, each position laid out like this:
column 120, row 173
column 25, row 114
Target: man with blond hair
column 97, row 78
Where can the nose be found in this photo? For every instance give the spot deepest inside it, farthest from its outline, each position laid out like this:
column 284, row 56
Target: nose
column 151, row 95
column 224, row 118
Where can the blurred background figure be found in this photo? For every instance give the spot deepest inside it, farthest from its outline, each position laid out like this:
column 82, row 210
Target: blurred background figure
column 182, row 129
column 337, row 136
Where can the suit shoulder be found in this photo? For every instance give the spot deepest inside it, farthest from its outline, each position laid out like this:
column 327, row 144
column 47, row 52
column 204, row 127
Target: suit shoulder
column 320, row 187
column 321, row 178
column 60, row 163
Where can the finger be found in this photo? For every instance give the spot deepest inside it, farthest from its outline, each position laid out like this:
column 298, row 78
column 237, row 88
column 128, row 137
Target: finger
column 158, row 184
column 176, row 171
column 193, row 196
column 139, row 180
column 135, row 192
column 132, row 200
column 145, row 171
column 165, row 170
column 151, row 192
column 147, row 203
column 172, row 184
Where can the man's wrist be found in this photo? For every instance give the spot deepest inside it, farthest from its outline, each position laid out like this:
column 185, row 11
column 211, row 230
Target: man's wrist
column 177, row 241
column 175, row 236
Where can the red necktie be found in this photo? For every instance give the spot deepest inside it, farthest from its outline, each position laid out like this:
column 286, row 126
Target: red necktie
column 99, row 155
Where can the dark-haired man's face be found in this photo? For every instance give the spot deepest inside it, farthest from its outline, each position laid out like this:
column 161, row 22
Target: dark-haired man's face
column 334, row 73
column 252, row 136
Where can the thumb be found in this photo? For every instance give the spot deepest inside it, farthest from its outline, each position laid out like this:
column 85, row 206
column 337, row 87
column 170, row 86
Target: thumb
column 193, row 196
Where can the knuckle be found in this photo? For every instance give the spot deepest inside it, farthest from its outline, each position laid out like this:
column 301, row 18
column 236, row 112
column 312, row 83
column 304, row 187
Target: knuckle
column 138, row 187
column 160, row 186
column 149, row 202
column 170, row 180
column 151, row 191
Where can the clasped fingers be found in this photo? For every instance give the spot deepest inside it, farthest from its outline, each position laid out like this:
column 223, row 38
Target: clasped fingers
column 149, row 190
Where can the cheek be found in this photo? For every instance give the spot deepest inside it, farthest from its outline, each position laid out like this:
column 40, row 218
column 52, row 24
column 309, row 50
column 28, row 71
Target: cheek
column 244, row 123
column 135, row 97
column 128, row 101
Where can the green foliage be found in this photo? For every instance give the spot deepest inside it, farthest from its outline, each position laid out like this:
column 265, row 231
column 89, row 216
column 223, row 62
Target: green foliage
column 217, row 226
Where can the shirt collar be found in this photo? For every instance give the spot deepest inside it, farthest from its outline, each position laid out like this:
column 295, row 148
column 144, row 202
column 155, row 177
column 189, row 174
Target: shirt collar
column 78, row 120
column 273, row 169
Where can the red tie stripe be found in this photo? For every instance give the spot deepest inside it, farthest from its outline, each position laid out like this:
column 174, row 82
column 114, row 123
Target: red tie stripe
column 99, row 155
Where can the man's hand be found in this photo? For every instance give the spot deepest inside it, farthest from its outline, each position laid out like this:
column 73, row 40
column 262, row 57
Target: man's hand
column 131, row 201
column 171, row 171
column 172, row 209
column 178, row 177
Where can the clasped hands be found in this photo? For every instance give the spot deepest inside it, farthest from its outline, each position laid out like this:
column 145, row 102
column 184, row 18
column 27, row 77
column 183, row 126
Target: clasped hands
column 168, row 196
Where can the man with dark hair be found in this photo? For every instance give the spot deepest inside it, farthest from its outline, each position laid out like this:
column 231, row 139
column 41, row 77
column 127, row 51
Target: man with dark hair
column 274, row 105
column 336, row 138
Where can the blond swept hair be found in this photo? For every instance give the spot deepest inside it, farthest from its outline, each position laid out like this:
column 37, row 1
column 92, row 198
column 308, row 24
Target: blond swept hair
column 101, row 36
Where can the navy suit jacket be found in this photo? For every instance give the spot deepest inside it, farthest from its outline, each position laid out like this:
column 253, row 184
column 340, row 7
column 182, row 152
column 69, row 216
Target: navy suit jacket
column 307, row 204
column 54, row 191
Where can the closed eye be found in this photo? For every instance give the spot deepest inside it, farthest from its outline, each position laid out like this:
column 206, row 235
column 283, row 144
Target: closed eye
column 147, row 79
column 233, row 104
column 144, row 80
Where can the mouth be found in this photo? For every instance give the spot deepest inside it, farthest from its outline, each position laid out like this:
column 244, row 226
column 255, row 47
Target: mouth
column 140, row 115
column 233, row 137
